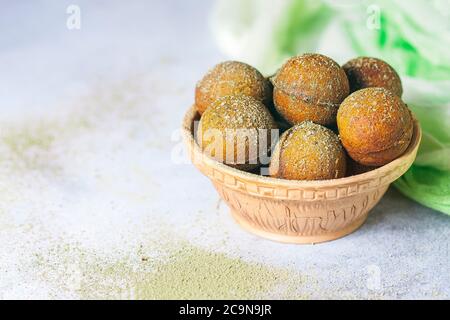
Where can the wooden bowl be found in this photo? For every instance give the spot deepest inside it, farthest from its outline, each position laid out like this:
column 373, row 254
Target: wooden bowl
column 298, row 211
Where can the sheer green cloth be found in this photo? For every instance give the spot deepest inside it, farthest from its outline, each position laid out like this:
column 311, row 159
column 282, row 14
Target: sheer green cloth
column 413, row 36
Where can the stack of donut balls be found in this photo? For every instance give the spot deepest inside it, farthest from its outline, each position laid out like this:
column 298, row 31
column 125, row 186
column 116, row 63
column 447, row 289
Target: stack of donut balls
column 335, row 121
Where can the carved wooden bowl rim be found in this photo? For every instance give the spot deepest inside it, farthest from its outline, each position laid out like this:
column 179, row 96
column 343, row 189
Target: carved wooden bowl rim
column 390, row 171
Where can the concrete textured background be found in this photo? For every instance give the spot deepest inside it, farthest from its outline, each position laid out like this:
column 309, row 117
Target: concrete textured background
column 91, row 172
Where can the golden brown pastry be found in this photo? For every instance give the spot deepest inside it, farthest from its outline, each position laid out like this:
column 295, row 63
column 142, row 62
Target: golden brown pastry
column 231, row 78
column 310, row 87
column 375, row 126
column 366, row 72
column 308, row 151
column 234, row 130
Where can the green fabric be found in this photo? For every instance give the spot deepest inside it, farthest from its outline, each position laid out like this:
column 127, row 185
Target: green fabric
column 412, row 36
column 427, row 186
column 428, row 181
column 299, row 27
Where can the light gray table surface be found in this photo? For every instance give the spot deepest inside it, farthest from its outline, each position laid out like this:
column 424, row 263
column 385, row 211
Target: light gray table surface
column 93, row 191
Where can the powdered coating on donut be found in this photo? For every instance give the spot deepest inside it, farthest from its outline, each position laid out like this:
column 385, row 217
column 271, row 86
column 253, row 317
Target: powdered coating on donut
column 231, row 116
column 366, row 72
column 308, row 151
column 310, row 87
column 231, row 78
column 375, row 126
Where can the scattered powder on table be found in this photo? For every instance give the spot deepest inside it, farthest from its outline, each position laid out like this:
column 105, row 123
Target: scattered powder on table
column 193, row 273
column 179, row 271
column 62, row 259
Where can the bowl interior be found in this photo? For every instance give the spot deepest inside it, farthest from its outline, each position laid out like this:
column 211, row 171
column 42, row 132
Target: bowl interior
column 401, row 163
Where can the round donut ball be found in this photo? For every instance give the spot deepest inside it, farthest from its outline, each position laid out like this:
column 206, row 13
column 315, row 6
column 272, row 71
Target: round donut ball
column 236, row 130
column 366, row 72
column 375, row 126
column 310, row 87
column 231, row 78
column 308, row 151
